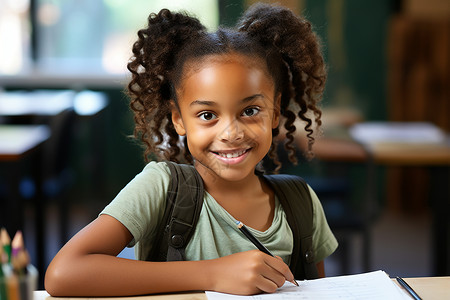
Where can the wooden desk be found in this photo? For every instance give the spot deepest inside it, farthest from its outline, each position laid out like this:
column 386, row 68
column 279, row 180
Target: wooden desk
column 398, row 154
column 429, row 288
column 344, row 149
column 43, row 295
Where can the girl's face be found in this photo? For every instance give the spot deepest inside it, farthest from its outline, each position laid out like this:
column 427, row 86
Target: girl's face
column 227, row 110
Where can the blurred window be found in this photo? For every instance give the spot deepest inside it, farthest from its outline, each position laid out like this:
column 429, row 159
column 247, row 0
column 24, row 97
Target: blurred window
column 81, row 36
column 14, row 35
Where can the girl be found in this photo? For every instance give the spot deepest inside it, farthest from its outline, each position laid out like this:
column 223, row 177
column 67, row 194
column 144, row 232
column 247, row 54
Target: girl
column 224, row 93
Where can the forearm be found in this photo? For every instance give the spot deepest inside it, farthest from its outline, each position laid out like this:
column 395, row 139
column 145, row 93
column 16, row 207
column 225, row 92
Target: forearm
column 104, row 275
column 88, row 266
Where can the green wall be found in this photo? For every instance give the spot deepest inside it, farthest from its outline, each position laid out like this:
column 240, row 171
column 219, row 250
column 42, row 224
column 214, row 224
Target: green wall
column 354, row 36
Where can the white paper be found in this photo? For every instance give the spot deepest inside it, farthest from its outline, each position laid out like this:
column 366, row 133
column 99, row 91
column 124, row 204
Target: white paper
column 368, row 286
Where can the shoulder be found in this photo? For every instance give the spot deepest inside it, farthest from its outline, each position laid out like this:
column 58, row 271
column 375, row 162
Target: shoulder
column 290, row 187
column 140, row 204
column 154, row 167
column 151, row 183
column 151, row 173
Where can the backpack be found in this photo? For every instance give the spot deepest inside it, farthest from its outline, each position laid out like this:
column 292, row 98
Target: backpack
column 184, row 203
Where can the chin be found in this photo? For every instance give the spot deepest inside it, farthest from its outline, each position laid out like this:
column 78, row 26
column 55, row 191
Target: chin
column 233, row 174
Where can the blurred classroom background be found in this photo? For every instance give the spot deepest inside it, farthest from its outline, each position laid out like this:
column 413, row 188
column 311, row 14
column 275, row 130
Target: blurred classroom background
column 382, row 166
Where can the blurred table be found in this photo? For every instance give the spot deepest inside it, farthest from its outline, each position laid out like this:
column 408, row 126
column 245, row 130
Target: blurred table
column 393, row 144
column 403, row 143
column 415, row 145
column 50, row 102
column 16, row 141
column 436, row 154
column 19, row 145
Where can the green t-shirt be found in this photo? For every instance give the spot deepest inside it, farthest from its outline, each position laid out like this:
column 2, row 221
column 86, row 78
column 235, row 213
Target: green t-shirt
column 140, row 207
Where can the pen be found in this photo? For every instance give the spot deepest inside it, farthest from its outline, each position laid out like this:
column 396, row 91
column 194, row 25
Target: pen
column 408, row 288
column 256, row 242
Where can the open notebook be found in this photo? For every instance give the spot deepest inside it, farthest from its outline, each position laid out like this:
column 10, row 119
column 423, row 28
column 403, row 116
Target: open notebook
column 368, row 286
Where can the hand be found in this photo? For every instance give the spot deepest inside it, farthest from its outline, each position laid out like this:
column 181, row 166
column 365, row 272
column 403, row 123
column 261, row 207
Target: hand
column 249, row 272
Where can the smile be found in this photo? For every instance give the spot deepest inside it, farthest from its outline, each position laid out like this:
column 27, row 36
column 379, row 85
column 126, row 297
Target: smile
column 232, row 154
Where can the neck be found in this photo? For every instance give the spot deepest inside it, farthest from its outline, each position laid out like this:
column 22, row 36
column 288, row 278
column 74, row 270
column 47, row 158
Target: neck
column 217, row 186
column 248, row 199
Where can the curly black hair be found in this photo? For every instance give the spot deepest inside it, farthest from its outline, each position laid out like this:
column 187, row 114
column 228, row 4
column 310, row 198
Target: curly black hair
column 271, row 33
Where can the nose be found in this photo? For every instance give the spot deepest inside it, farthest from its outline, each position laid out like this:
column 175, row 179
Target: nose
column 232, row 131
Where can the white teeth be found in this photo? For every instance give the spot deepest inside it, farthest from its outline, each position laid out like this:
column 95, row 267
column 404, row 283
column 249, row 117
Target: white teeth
column 231, row 155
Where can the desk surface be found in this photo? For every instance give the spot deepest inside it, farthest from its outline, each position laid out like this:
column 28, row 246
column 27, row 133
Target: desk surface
column 429, row 288
column 403, row 143
column 17, row 140
column 411, row 154
column 394, row 154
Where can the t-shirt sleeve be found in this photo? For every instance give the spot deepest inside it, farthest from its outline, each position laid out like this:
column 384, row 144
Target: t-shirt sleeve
column 324, row 241
column 139, row 206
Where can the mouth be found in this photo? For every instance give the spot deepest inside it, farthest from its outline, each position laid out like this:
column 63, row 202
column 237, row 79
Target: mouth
column 231, row 154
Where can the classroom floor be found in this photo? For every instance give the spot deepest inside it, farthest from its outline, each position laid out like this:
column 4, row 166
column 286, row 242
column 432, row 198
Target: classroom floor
column 401, row 243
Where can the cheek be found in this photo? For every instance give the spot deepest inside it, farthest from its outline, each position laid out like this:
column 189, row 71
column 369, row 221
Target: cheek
column 199, row 137
column 261, row 127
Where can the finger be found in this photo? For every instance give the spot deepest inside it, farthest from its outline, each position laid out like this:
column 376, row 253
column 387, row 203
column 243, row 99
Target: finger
column 267, row 284
column 274, row 276
column 282, row 268
column 271, row 271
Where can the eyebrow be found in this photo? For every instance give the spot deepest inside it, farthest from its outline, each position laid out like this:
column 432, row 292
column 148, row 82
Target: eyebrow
column 212, row 103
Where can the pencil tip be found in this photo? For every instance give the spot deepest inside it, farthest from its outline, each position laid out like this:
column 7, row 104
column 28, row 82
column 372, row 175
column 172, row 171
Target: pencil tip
column 17, row 241
column 4, row 236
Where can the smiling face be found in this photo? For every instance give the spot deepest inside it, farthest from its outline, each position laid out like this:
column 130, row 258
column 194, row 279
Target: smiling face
column 227, row 112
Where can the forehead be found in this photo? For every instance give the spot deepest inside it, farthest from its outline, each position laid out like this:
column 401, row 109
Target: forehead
column 194, row 66
column 225, row 79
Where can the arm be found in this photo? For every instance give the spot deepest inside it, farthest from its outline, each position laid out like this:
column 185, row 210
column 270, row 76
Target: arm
column 321, row 269
column 87, row 266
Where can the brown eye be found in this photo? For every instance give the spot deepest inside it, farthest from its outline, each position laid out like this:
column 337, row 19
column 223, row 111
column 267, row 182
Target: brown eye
column 207, row 116
column 251, row 111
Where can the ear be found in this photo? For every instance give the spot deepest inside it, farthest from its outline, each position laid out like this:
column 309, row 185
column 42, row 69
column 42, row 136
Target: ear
column 177, row 120
column 276, row 111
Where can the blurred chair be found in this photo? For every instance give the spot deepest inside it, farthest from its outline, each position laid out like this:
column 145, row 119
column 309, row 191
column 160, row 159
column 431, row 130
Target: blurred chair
column 346, row 218
column 57, row 174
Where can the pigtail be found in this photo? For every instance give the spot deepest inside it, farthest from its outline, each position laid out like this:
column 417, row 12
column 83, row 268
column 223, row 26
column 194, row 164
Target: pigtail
column 151, row 86
column 302, row 70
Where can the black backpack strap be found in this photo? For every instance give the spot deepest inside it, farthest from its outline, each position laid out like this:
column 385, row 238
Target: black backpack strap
column 294, row 196
column 183, row 205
